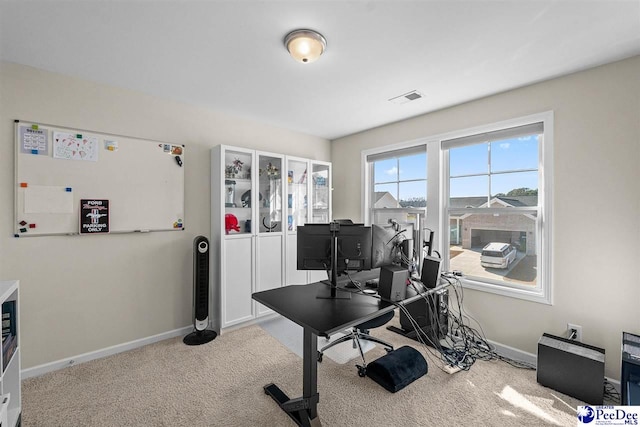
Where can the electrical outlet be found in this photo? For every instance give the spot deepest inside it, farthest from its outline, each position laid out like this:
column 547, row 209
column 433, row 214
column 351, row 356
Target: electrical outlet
column 571, row 327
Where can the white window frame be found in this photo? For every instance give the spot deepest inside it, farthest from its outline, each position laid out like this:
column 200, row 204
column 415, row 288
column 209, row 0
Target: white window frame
column 542, row 293
column 438, row 209
column 367, row 185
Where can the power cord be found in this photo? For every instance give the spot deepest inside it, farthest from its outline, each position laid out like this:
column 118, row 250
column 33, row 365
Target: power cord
column 611, row 393
column 464, row 345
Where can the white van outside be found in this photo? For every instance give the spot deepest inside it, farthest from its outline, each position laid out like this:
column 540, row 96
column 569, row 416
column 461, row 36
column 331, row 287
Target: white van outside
column 497, row 255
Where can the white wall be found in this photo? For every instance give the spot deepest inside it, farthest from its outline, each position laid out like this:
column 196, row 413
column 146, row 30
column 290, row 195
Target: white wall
column 81, row 294
column 596, row 206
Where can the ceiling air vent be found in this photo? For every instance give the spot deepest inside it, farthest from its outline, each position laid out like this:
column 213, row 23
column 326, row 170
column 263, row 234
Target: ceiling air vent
column 410, row 96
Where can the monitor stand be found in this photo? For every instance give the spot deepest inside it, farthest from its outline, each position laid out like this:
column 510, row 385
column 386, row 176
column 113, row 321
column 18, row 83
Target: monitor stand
column 332, row 292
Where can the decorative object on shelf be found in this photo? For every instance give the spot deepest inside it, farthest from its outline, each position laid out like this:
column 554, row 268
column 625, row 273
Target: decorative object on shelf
column 290, row 222
column 303, row 178
column 290, row 177
column 233, row 170
column 247, row 226
column 271, row 226
column 246, row 199
column 230, row 223
column 230, row 193
column 271, row 170
column 320, row 181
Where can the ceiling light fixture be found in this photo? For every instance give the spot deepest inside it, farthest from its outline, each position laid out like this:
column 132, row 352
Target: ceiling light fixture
column 305, row 45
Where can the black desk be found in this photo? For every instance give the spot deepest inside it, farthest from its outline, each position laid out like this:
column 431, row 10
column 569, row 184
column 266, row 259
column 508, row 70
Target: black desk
column 322, row 317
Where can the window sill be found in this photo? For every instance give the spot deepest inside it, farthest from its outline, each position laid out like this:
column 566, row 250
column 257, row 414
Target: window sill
column 534, row 295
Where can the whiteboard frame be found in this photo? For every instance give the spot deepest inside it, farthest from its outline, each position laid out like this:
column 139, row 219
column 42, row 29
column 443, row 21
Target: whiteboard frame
column 179, row 184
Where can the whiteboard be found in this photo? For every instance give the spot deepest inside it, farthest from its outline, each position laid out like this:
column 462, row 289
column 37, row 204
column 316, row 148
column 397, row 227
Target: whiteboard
column 57, row 167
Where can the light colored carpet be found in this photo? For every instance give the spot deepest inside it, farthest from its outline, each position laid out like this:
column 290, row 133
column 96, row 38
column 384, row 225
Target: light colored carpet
column 220, row 384
column 290, row 334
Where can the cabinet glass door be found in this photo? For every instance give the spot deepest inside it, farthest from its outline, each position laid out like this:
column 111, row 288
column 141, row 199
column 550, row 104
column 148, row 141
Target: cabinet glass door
column 269, row 198
column 320, row 188
column 237, row 192
column 296, row 194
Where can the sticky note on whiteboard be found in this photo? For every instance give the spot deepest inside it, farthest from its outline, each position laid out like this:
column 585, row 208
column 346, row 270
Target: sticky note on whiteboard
column 111, row 145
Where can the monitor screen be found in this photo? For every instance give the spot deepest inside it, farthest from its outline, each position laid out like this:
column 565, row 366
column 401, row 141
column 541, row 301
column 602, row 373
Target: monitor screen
column 430, row 275
column 353, row 251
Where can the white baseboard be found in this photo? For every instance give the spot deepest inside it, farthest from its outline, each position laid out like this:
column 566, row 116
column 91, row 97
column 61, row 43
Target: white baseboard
column 514, row 353
column 81, row 358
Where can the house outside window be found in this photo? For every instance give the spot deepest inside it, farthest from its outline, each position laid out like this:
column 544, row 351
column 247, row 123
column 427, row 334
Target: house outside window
column 489, row 189
column 398, row 185
column 496, row 207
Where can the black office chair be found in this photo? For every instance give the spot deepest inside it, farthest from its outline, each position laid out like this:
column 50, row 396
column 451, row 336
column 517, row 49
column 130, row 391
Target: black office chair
column 361, row 332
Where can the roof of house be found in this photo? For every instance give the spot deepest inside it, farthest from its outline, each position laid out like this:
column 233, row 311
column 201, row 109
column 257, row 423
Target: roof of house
column 475, row 201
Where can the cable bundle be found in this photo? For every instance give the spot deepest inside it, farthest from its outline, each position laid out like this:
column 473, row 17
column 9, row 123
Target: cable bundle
column 463, row 344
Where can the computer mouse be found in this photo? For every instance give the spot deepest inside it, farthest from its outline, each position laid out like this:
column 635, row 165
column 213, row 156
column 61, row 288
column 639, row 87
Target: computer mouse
column 369, row 292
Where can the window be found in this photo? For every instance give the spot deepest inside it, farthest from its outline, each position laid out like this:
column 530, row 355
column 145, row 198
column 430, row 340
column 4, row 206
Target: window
column 494, row 208
column 398, row 185
column 489, row 187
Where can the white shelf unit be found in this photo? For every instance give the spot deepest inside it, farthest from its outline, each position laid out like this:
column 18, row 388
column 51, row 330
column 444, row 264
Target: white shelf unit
column 308, row 201
column 261, row 253
column 10, row 378
column 249, row 258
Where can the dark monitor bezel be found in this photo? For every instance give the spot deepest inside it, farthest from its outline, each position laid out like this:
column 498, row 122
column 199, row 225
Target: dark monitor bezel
column 318, row 256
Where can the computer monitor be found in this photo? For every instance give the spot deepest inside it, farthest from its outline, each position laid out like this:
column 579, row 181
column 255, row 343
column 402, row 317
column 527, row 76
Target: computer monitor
column 392, row 244
column 335, row 248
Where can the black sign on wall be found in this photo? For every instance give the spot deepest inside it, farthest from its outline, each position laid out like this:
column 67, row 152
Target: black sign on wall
column 94, row 216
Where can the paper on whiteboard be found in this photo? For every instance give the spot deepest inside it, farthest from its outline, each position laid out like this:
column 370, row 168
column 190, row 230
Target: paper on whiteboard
column 47, row 199
column 33, row 141
column 75, row 146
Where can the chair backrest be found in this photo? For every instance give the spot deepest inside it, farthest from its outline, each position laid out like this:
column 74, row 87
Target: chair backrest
column 376, row 322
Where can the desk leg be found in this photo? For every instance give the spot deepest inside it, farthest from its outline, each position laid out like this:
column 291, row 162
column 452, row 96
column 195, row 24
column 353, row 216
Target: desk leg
column 310, row 372
column 303, row 410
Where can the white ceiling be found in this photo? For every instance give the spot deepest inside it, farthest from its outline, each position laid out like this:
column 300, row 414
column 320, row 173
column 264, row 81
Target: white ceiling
column 229, row 56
